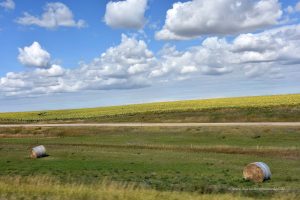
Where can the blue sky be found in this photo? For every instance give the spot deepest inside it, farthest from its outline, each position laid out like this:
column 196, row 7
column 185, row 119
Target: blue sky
column 70, row 54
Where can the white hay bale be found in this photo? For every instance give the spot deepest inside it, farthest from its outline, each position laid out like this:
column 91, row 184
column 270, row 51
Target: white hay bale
column 38, row 152
column 257, row 172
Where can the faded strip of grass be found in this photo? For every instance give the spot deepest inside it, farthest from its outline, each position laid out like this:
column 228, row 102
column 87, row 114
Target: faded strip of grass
column 288, row 153
column 42, row 187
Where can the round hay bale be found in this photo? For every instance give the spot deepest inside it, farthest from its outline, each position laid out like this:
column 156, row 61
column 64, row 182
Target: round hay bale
column 38, row 152
column 257, row 172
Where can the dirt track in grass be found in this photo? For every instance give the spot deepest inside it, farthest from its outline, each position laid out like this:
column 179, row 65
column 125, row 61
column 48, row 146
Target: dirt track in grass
column 155, row 124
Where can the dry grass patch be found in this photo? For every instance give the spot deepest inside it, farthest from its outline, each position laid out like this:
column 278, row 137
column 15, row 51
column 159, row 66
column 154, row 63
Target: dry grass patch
column 43, row 187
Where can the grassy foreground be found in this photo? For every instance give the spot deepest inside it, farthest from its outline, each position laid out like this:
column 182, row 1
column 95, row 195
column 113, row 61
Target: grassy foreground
column 255, row 109
column 48, row 188
column 155, row 162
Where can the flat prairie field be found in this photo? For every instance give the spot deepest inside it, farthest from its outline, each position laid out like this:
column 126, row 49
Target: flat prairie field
column 148, row 162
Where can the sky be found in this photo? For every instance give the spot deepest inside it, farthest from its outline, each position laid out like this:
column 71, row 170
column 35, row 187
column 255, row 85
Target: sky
column 74, row 54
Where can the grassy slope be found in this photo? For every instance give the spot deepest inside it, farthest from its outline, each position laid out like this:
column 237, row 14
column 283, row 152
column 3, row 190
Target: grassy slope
column 263, row 108
column 166, row 159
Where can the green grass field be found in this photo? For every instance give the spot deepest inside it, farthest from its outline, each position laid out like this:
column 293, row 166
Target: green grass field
column 154, row 162
column 148, row 163
column 243, row 109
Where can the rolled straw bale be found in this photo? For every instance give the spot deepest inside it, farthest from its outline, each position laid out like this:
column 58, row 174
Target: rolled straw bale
column 257, row 172
column 38, row 152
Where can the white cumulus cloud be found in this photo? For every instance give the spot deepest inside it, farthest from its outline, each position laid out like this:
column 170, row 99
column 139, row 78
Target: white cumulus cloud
column 126, row 14
column 54, row 70
column 219, row 17
column 292, row 9
column 212, row 57
column 260, row 54
column 297, row 7
column 34, row 56
column 55, row 15
column 280, row 45
column 8, row 4
column 125, row 66
column 131, row 64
